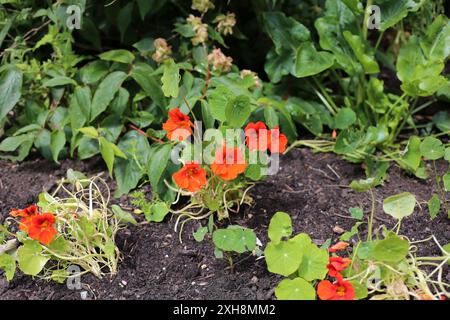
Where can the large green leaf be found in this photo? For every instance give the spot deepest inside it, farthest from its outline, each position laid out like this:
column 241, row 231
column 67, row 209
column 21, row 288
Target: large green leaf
column 142, row 74
column 10, row 89
column 237, row 111
column 58, row 141
column 432, row 148
column 80, row 107
column 283, row 258
column 436, row 42
column 157, row 162
column 31, row 259
column 391, row 249
column 310, row 62
column 314, row 263
column 106, row 91
column 120, row 55
column 360, row 50
column 400, row 205
column 295, row 289
column 235, row 239
column 394, row 11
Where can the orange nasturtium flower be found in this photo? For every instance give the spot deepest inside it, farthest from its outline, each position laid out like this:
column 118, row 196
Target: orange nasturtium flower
column 41, row 228
column 340, row 290
column 178, row 126
column 256, row 136
column 191, row 177
column 277, row 141
column 341, row 245
column 26, row 215
column 228, row 163
column 337, row 264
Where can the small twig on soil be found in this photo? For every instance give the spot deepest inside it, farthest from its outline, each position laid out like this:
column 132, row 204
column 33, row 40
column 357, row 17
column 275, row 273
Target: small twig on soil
column 332, row 170
column 323, row 173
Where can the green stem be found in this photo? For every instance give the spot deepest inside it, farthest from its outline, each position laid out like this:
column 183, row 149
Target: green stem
column 372, row 214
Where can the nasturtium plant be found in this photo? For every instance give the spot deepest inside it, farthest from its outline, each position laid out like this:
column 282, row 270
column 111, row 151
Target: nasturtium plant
column 400, row 205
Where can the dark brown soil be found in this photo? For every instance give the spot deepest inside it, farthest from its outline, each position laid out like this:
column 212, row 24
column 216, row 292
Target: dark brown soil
column 157, row 266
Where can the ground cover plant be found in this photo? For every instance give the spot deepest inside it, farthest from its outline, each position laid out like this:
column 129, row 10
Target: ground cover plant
column 190, row 106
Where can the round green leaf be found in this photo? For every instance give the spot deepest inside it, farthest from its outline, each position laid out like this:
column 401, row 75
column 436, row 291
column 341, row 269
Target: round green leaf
column 283, row 258
column 400, row 205
column 391, row 249
column 344, row 118
column 432, row 148
column 30, row 258
column 295, row 289
column 280, row 226
column 314, row 263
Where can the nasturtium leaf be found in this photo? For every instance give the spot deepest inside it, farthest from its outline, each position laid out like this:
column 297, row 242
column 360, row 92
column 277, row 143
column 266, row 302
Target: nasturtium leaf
column 107, row 153
column 255, row 172
column 280, row 226
column 446, row 250
column 122, row 215
column 158, row 212
column 295, row 289
column 237, row 111
column 58, row 141
column 434, row 205
column 344, row 118
column 361, row 291
column 446, row 180
column 10, row 88
column 365, row 250
column 390, row 249
column 283, row 258
column 199, row 235
column 356, row 213
column 235, row 239
column 346, row 236
column 302, row 239
column 8, row 264
column 432, row 148
column 171, row 79
column 106, row 91
column 31, row 258
column 120, row 55
column 314, row 263
column 400, row 205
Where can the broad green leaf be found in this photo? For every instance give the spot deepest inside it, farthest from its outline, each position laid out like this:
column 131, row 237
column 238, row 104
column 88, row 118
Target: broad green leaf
column 94, row 71
column 271, row 117
column 285, row 32
column 283, row 258
column 8, row 264
column 442, row 120
column 31, row 259
column 314, row 263
column 279, row 65
column 158, row 212
column 10, row 88
column 394, row 11
column 106, row 91
column 344, row 118
column 157, row 162
column 361, row 291
column 170, row 79
column 120, row 55
column 235, row 239
column 295, row 289
column 434, row 206
column 432, row 148
column 280, row 226
column 128, row 172
column 80, row 107
column 359, row 48
column 58, row 141
column 436, row 42
column 122, row 215
column 142, row 74
column 107, row 153
column 310, row 62
column 411, row 158
column 238, row 111
column 12, row 143
column 400, row 205
column 391, row 249
column 218, row 100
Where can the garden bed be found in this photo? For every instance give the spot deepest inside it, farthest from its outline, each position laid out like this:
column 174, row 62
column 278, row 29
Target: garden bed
column 311, row 187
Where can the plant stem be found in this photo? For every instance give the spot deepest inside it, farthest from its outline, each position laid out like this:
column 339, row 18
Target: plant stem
column 372, row 214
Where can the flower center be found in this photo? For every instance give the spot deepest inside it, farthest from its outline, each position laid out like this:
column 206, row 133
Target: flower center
column 340, row 291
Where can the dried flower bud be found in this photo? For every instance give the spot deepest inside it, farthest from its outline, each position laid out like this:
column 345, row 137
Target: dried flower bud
column 200, row 28
column 219, row 60
column 244, row 73
column 202, row 5
column 225, row 23
column 163, row 50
